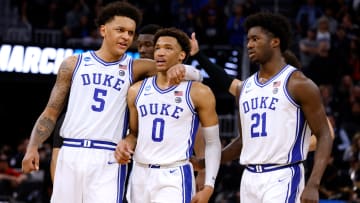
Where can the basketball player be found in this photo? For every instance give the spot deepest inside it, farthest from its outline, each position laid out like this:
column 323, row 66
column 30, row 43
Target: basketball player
column 145, row 40
column 96, row 119
column 145, row 46
column 277, row 106
column 230, row 84
column 163, row 123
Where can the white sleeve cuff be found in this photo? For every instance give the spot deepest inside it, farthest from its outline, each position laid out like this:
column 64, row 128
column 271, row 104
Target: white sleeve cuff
column 212, row 153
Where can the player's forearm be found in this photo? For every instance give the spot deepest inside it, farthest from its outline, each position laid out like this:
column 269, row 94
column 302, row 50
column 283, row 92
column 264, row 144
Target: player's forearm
column 215, row 72
column 131, row 139
column 191, row 73
column 41, row 131
column 322, row 155
column 231, row 151
column 212, row 153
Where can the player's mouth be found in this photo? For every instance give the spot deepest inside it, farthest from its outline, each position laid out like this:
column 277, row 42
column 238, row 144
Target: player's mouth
column 122, row 45
column 251, row 54
column 160, row 62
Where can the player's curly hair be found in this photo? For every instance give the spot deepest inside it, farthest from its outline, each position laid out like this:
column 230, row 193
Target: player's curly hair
column 118, row 8
column 180, row 36
column 149, row 29
column 276, row 24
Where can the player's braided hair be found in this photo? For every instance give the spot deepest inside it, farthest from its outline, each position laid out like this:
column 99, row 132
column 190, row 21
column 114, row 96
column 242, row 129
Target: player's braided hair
column 180, row 36
column 276, row 24
column 118, row 8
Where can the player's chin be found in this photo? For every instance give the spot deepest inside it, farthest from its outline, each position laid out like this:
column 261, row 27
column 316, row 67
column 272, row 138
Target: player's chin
column 162, row 68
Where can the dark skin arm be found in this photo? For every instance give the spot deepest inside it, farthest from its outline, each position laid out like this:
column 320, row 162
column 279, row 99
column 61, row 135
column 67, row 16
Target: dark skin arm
column 125, row 148
column 306, row 93
column 233, row 149
column 46, row 122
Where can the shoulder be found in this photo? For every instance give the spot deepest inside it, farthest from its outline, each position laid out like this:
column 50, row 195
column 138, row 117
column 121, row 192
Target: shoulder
column 300, row 86
column 201, row 93
column 136, row 86
column 200, row 88
column 69, row 63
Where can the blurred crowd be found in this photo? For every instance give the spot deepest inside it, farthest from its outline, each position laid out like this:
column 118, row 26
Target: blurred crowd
column 326, row 39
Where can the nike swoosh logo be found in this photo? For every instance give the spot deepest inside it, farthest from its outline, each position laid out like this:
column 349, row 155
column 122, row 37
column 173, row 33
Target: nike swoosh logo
column 111, row 162
column 281, row 180
column 172, row 171
column 88, row 64
column 147, row 94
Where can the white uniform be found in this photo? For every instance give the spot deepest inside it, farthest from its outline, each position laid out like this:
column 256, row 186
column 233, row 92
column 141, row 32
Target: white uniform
column 95, row 121
column 276, row 139
column 167, row 129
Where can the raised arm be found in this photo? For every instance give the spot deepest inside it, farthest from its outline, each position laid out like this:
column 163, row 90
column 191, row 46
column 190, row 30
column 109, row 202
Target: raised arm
column 46, row 122
column 216, row 73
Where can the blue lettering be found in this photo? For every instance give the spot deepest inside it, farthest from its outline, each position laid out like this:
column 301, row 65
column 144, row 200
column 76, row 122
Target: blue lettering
column 272, row 104
column 263, row 102
column 246, row 107
column 118, row 83
column 176, row 111
column 164, row 109
column 86, row 79
column 96, row 80
column 254, row 103
column 153, row 110
column 259, row 102
column 107, row 80
column 143, row 110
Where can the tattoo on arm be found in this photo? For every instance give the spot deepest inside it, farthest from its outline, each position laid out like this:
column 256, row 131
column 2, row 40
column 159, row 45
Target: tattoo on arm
column 43, row 129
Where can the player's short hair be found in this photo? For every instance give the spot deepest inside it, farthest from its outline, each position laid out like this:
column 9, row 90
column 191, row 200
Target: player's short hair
column 180, row 36
column 118, row 8
column 276, row 24
column 150, row 29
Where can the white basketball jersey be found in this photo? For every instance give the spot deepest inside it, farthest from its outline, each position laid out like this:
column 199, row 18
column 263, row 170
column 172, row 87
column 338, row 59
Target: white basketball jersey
column 167, row 123
column 274, row 129
column 97, row 107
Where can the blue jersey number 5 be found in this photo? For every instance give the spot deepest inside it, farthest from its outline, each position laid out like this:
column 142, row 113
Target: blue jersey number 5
column 99, row 95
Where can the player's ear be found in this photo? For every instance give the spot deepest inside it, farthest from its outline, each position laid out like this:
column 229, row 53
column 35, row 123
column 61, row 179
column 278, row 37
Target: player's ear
column 102, row 30
column 182, row 56
column 275, row 42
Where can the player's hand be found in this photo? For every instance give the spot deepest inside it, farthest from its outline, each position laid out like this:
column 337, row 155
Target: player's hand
column 176, row 74
column 123, row 152
column 203, row 196
column 194, row 45
column 30, row 161
column 310, row 194
column 198, row 163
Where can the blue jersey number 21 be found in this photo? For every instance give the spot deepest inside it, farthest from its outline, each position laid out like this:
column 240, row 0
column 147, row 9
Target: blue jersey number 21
column 258, row 128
